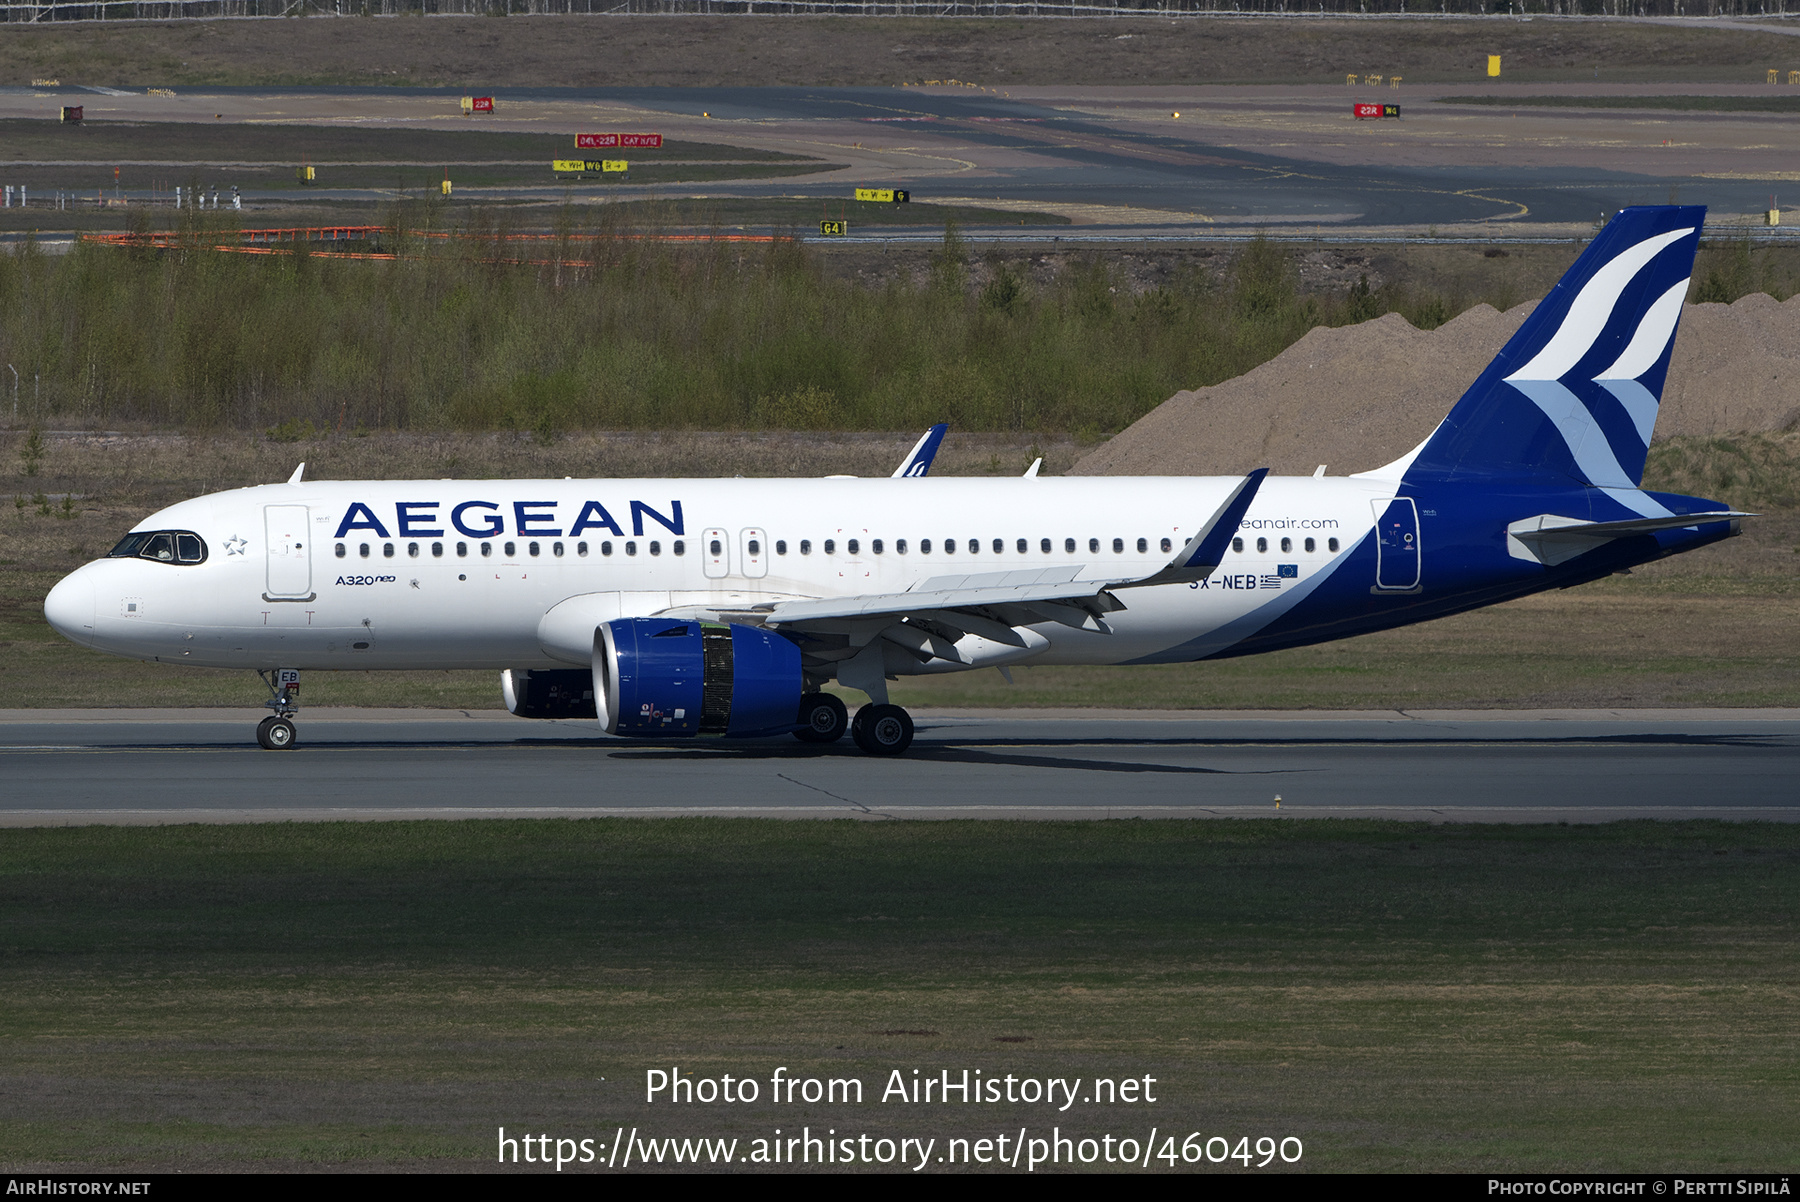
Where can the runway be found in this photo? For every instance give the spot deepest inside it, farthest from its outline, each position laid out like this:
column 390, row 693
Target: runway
column 161, row 766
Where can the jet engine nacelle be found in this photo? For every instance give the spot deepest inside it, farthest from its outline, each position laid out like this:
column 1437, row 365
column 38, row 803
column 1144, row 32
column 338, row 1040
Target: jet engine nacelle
column 548, row 693
column 662, row 677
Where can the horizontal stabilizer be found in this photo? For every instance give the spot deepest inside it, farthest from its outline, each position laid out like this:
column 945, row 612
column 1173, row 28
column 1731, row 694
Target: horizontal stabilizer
column 1550, row 539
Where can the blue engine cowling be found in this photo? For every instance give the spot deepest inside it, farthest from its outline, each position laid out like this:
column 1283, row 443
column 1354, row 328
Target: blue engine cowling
column 663, row 677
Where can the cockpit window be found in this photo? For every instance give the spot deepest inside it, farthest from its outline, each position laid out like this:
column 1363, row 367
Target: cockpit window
column 162, row 546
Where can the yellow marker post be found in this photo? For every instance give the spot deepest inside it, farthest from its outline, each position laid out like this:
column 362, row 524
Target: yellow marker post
column 468, row 104
column 446, row 187
column 1774, row 76
column 1493, row 65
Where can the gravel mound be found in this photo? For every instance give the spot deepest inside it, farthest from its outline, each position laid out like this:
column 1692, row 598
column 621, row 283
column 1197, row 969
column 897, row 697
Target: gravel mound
column 1359, row 396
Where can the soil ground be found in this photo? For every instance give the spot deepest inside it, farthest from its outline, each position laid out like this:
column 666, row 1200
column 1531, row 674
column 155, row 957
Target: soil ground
column 708, row 51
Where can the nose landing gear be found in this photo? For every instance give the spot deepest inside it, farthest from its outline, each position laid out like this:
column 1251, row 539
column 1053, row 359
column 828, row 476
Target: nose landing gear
column 277, row 732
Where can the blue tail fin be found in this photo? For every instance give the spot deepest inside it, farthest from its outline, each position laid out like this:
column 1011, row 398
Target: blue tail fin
column 1574, row 394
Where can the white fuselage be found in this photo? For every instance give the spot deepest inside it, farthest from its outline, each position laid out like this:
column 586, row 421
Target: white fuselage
column 462, row 574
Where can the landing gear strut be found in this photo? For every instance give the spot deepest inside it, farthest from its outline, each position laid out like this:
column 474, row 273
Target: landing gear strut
column 822, row 718
column 882, row 729
column 276, row 732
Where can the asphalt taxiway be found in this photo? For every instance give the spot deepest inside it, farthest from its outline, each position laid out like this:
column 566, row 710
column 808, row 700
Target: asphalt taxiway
column 165, row 766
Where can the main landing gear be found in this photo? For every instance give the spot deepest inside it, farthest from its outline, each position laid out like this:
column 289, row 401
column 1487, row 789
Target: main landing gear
column 822, row 718
column 277, row 732
column 882, row 729
column 878, row 729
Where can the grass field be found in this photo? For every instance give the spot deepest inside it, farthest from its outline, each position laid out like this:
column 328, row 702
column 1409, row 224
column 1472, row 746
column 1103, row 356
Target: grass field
column 1398, row 997
column 654, row 51
column 1720, row 626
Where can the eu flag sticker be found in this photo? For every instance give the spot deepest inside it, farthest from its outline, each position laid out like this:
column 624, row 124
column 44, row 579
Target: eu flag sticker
column 1288, row 571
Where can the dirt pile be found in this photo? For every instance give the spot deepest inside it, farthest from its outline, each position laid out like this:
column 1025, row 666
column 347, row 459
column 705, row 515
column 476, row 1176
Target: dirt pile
column 1357, row 397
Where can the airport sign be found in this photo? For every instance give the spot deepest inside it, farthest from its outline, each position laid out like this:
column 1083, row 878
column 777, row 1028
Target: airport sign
column 584, row 166
column 897, row 196
column 609, row 141
column 834, row 229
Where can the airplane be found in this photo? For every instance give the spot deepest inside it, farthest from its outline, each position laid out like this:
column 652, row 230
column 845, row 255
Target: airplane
column 681, row 608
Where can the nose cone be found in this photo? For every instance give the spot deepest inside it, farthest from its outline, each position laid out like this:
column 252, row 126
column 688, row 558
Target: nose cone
column 70, row 606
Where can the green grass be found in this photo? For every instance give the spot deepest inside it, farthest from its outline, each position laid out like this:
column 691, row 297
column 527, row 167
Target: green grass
column 624, row 333
column 1400, row 997
column 1774, row 103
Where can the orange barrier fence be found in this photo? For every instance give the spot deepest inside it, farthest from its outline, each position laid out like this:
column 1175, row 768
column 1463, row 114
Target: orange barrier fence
column 282, row 241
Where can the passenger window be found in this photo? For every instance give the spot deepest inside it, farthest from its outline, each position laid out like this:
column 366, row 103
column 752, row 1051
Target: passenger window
column 363, row 549
column 852, row 546
column 999, row 546
column 1237, row 544
column 655, row 547
column 1118, row 546
column 437, row 550
column 1044, row 546
column 1310, row 545
column 1024, row 546
column 830, row 546
column 581, row 549
column 462, row 550
column 875, row 546
column 1069, row 546
column 781, row 546
column 924, row 546
column 1093, row 546
column 1143, row 545
column 387, row 550
column 1262, row 544
column 630, row 547
column 949, row 546
column 900, row 546
column 532, row 548
column 715, row 547
column 1287, row 544
column 512, row 550
column 606, row 547
column 1331, row 544
column 680, row 547
column 806, row 546
column 556, row 549
column 487, row 549
column 755, row 547
column 412, row 550
column 340, row 550
column 975, row 546
column 1167, row 546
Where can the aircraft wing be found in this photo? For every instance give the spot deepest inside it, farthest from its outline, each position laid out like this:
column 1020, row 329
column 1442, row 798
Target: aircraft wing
column 923, row 452
column 992, row 604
